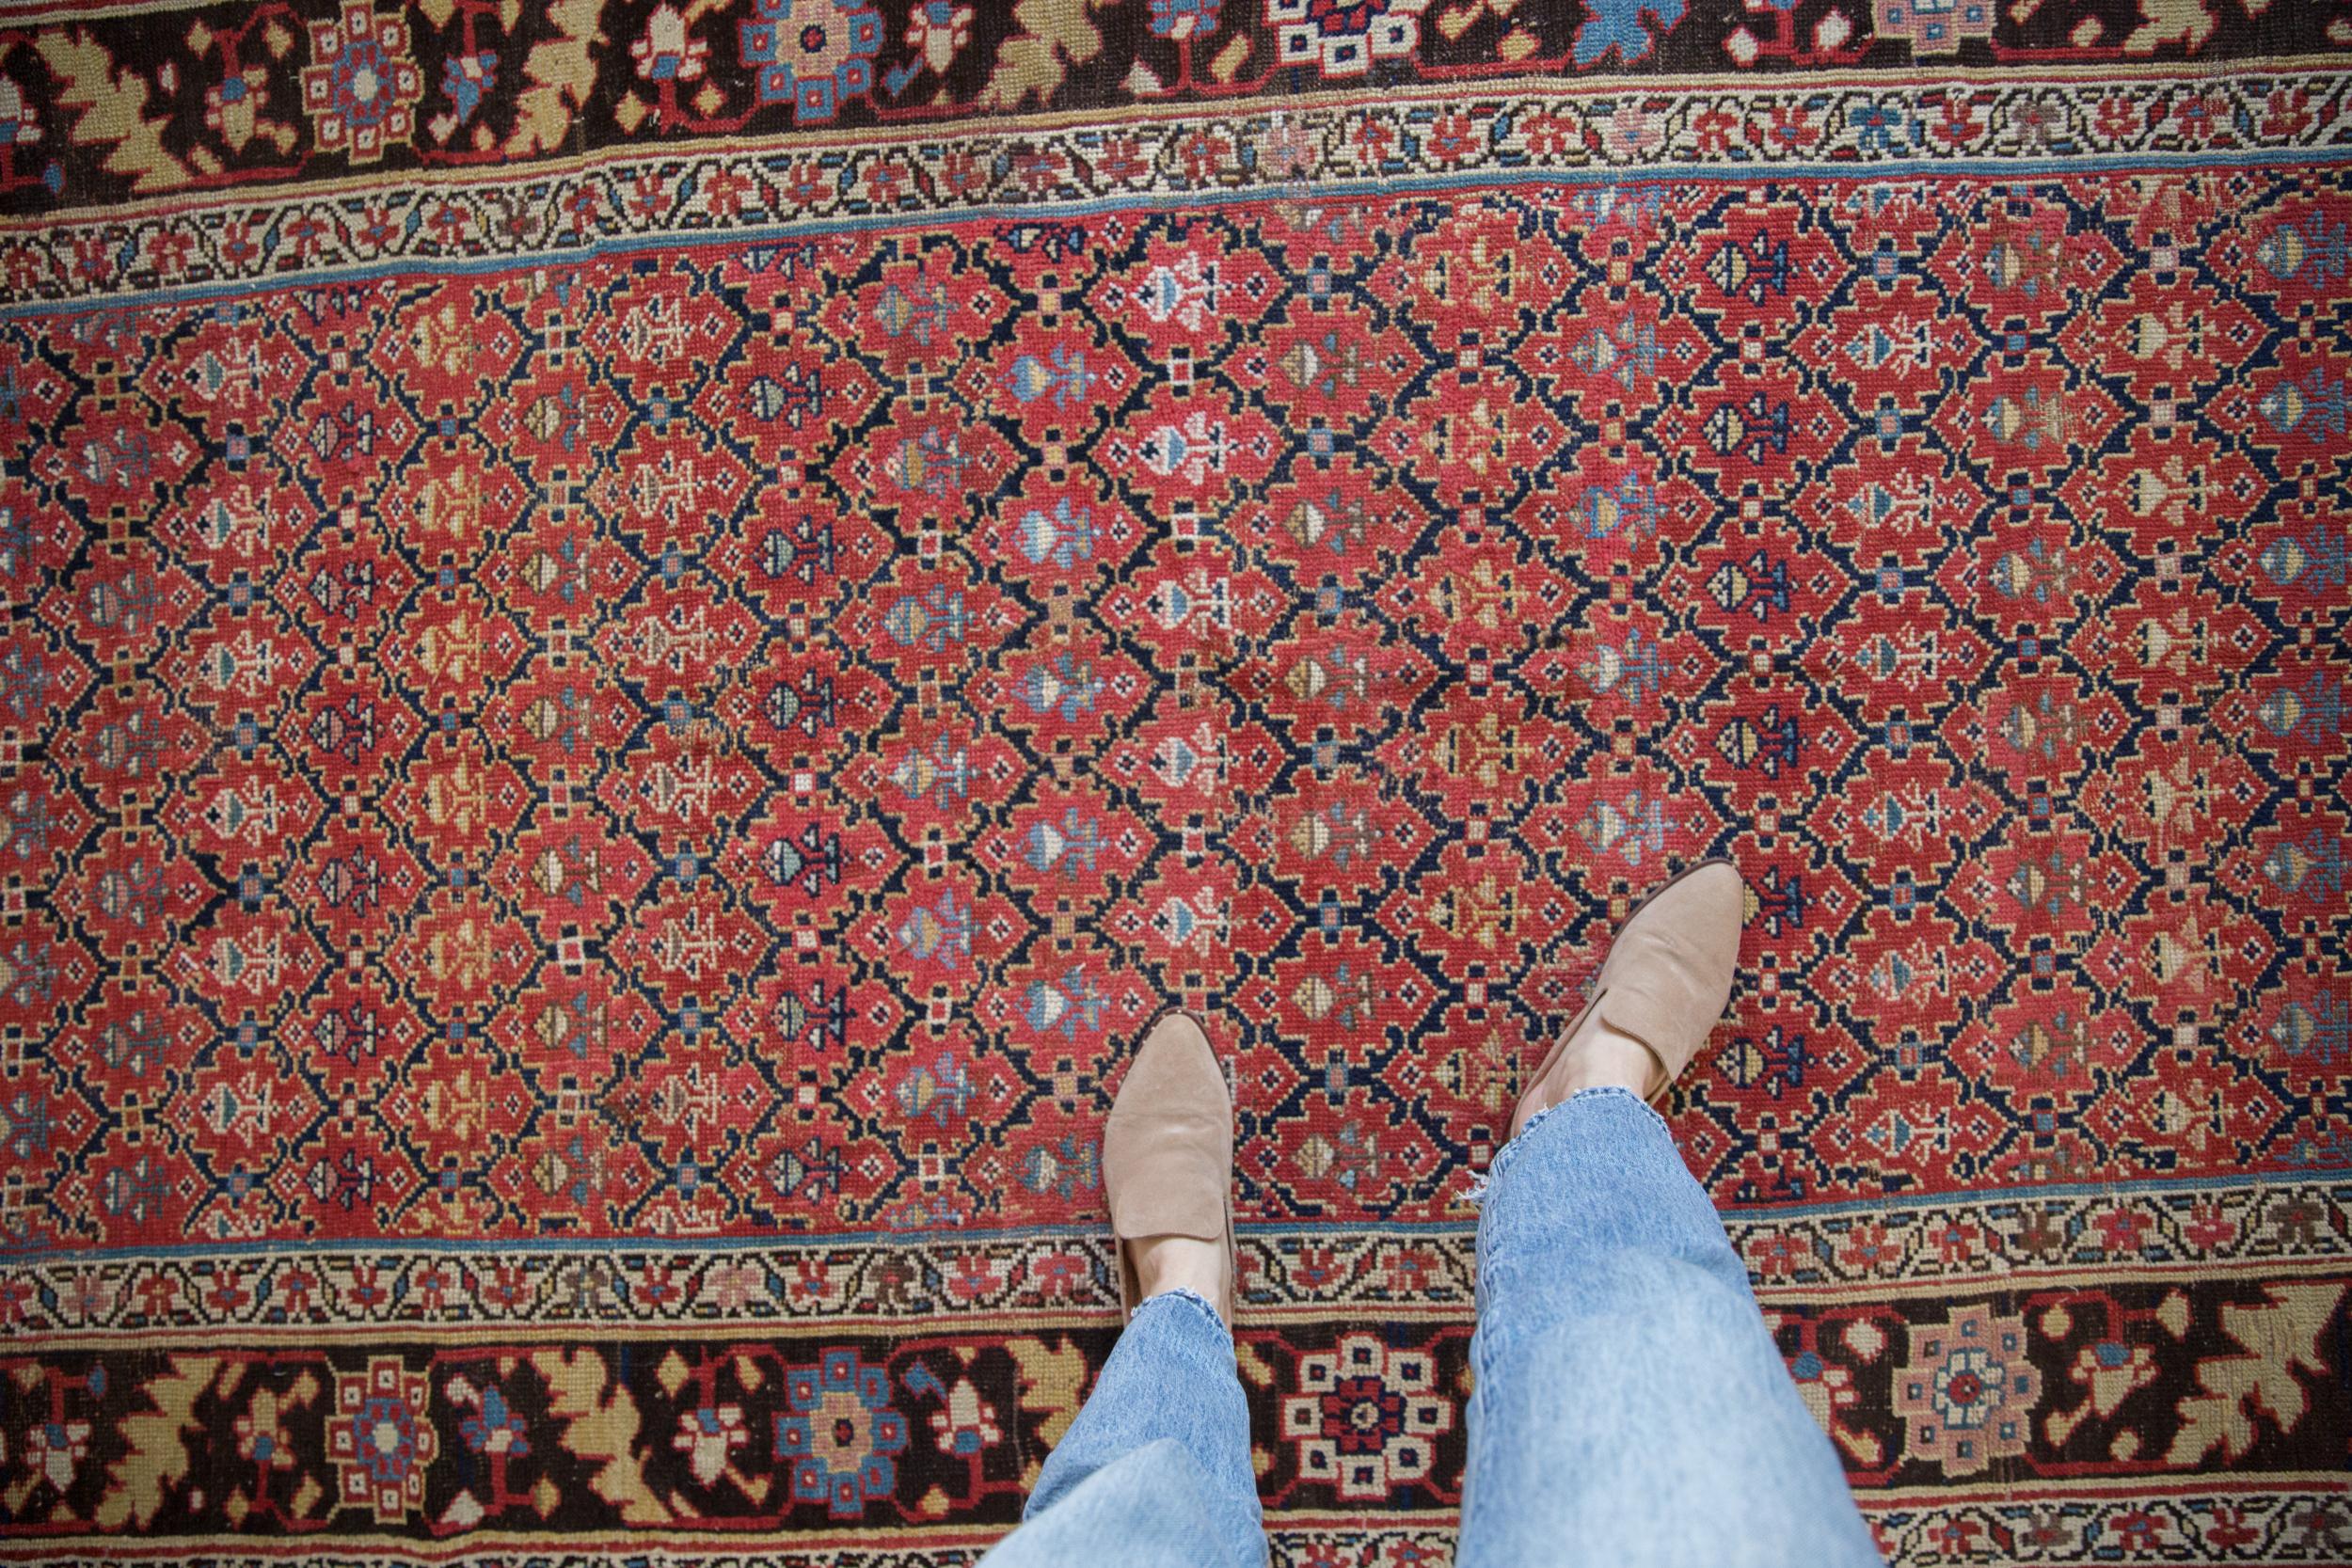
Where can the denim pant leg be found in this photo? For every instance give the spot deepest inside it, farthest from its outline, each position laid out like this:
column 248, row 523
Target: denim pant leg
column 1630, row 1407
column 1156, row 1469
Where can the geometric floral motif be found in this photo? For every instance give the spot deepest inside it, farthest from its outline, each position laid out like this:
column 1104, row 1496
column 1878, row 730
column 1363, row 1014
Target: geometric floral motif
column 362, row 91
column 1967, row 1394
column 1366, row 1416
column 378, row 1437
column 838, row 1434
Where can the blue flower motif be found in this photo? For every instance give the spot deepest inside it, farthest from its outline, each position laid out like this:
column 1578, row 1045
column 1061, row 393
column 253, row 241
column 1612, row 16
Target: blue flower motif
column 838, row 1434
column 814, row 54
column 1881, row 126
column 1616, row 25
column 495, row 1427
column 466, row 79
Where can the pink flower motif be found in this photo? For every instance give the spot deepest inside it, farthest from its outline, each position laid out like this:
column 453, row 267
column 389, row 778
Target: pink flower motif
column 1955, row 1243
column 2114, row 118
column 1288, row 149
column 1057, row 1274
column 1452, row 138
column 2208, row 1228
column 1778, row 1255
column 729, row 1286
column 1632, row 129
column 972, row 1276
column 1867, row 1249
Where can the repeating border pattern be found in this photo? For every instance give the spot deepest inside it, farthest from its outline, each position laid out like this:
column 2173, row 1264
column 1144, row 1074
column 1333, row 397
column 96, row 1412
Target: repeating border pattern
column 1967, row 1243
column 1325, row 150
column 410, row 1438
column 108, row 102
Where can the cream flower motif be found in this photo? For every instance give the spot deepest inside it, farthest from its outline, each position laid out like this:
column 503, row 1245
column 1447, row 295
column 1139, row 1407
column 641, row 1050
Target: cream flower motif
column 969, row 1422
column 708, row 1437
column 55, row 1450
column 233, row 106
column 664, row 52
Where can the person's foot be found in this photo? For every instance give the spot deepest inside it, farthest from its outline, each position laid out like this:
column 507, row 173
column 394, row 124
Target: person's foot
column 1661, row 988
column 1168, row 1169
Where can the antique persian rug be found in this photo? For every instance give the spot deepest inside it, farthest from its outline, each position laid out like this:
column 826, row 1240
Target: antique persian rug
column 639, row 637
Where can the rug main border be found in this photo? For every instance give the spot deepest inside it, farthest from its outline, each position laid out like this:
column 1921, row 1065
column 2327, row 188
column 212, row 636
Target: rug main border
column 2295, row 112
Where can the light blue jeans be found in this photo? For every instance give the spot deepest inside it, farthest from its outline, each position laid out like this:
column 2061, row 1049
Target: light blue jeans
column 1628, row 1407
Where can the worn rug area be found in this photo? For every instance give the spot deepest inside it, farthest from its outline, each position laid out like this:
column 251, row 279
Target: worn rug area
column 640, row 639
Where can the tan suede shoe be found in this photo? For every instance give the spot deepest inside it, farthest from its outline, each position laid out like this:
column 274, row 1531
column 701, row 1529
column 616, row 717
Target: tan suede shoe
column 1667, row 976
column 1167, row 1150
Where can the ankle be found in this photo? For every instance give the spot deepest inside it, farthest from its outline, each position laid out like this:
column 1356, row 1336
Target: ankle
column 1607, row 1059
column 1165, row 1263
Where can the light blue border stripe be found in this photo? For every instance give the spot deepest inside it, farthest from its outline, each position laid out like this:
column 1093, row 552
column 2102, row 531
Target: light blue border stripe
column 1047, row 211
column 948, row 1238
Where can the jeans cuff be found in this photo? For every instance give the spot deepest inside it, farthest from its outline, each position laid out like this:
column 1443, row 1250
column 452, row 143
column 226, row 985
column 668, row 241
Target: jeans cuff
column 1196, row 1299
column 1484, row 1182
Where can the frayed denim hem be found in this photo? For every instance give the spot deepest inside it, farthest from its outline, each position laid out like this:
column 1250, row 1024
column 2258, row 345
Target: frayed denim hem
column 1482, row 1182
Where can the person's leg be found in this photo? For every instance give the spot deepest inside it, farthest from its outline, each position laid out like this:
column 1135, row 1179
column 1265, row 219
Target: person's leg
column 1156, row 1466
column 1630, row 1406
column 1157, row 1461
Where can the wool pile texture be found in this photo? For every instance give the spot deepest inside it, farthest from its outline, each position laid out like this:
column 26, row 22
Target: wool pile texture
column 641, row 638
